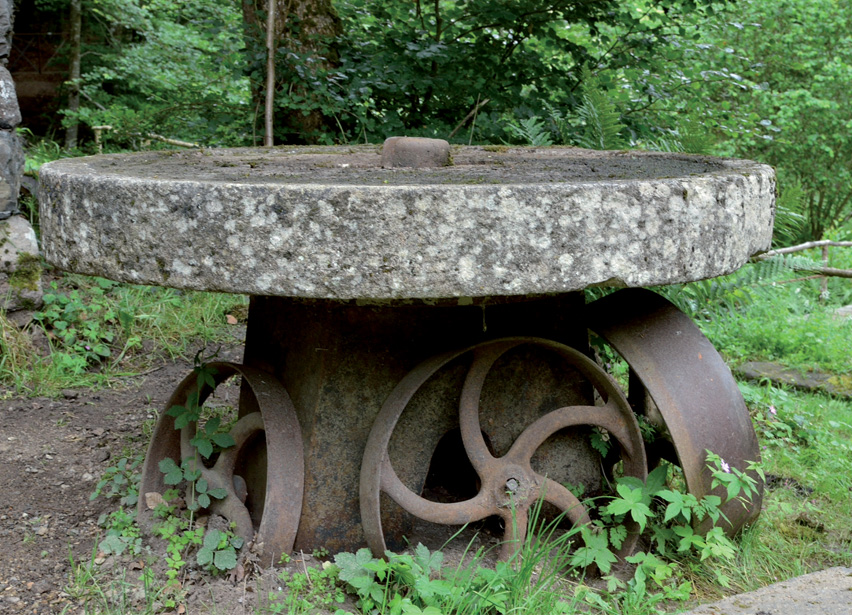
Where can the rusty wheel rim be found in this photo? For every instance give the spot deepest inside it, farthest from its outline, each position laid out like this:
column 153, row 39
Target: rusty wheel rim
column 275, row 419
column 509, row 484
column 675, row 365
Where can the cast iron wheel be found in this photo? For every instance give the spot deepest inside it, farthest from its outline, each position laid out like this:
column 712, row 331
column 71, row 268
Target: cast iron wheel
column 509, row 485
column 271, row 514
column 675, row 366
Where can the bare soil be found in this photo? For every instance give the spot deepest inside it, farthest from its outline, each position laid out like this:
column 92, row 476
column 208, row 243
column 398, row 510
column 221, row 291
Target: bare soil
column 52, row 453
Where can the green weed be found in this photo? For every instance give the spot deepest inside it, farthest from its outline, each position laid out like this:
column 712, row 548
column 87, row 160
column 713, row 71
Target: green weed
column 96, row 329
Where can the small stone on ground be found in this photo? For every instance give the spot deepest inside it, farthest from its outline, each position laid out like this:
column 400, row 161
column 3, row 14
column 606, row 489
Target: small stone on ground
column 827, row 592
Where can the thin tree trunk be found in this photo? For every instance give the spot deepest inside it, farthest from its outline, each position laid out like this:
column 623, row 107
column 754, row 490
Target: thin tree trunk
column 307, row 28
column 270, row 74
column 76, row 19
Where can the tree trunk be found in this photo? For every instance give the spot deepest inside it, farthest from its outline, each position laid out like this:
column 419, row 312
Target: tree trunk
column 269, row 120
column 76, row 26
column 303, row 27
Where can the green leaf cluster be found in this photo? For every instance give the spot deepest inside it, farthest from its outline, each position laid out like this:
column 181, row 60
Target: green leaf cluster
column 399, row 584
column 218, row 550
column 82, row 322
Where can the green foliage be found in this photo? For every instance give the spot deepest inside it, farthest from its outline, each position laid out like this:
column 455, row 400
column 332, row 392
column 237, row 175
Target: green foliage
column 718, row 297
column 416, row 583
column 39, row 151
column 163, row 67
column 122, row 533
column 668, row 516
column 596, row 124
column 120, row 481
column 790, row 214
column 307, row 592
column 795, row 62
column 218, row 551
column 208, row 438
column 420, row 68
column 599, row 115
column 600, row 441
column 632, row 500
column 402, row 583
column 199, row 493
column 531, row 131
column 180, row 535
column 96, row 328
column 83, row 326
column 764, row 318
column 596, row 550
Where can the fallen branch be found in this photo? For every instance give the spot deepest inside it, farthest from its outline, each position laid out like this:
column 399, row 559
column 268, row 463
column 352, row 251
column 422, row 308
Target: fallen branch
column 826, row 271
column 801, row 247
column 815, row 269
column 473, row 112
column 156, row 137
column 146, row 135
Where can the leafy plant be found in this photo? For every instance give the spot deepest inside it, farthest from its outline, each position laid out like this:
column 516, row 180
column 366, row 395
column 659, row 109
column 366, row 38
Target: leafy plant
column 602, row 128
column 530, row 131
column 180, row 535
column 402, row 583
column 218, row 550
column 80, row 325
column 120, row 481
column 307, row 592
column 122, row 533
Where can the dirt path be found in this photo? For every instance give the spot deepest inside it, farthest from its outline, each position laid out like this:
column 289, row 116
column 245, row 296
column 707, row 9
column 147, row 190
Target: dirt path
column 52, row 453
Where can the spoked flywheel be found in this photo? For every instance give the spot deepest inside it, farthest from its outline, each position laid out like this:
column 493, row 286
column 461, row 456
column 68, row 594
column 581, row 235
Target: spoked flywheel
column 264, row 500
column 677, row 375
column 509, row 485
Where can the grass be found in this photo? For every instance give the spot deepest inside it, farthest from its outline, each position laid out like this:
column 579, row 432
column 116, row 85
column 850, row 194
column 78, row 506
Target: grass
column 99, row 331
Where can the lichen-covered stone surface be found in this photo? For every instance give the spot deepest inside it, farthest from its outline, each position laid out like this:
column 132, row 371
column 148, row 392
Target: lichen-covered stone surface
column 20, row 266
column 11, row 172
column 331, row 223
column 827, row 592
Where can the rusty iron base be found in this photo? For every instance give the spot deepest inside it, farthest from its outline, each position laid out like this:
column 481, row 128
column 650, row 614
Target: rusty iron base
column 375, row 395
column 340, row 361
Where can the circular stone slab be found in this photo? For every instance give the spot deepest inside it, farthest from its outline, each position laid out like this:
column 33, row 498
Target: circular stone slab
column 330, row 222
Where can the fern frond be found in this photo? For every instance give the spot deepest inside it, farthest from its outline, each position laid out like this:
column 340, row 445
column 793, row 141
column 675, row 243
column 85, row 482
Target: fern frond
column 561, row 122
column 690, row 137
column 531, row 131
column 790, row 218
column 706, row 299
column 600, row 115
column 694, row 137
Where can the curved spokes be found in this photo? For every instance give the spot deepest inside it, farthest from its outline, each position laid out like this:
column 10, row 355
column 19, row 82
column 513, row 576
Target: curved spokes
column 484, row 358
column 509, row 485
column 276, row 421
column 458, row 513
column 608, row 417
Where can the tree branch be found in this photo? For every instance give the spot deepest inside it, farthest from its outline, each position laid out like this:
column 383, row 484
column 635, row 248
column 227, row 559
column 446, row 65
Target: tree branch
column 269, row 108
column 799, row 266
column 801, row 247
column 473, row 112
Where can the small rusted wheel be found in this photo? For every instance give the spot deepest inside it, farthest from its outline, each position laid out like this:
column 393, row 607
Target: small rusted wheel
column 509, row 485
column 262, row 498
column 677, row 375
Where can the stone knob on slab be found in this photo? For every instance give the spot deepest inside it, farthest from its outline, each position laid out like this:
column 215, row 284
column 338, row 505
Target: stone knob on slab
column 416, row 152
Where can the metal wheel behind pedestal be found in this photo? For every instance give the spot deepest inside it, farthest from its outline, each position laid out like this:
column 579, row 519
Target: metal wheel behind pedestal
column 508, row 485
column 264, row 500
column 676, row 372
